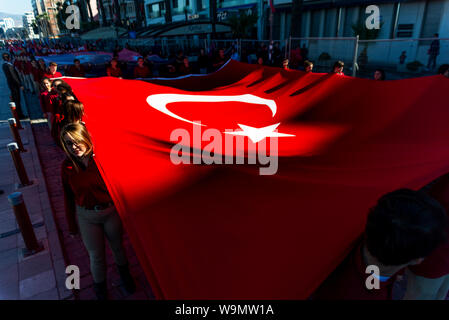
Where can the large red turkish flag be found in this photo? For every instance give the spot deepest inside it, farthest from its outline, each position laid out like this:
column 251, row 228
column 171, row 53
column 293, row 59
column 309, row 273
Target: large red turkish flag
column 227, row 232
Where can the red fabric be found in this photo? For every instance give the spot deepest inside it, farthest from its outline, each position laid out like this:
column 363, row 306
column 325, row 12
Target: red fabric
column 273, row 10
column 73, row 71
column 224, row 231
column 437, row 264
column 347, row 282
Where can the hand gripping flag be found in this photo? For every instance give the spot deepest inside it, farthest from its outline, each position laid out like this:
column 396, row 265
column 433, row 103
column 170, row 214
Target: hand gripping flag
column 224, row 231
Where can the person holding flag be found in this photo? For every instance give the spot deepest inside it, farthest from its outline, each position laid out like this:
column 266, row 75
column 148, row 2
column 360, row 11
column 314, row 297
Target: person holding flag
column 86, row 196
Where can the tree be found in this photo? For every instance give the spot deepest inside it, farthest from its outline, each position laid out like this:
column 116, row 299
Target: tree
column 117, row 13
column 242, row 24
column 103, row 13
column 61, row 16
column 295, row 30
column 89, row 7
column 138, row 13
column 42, row 21
column 359, row 29
column 213, row 15
column 167, row 11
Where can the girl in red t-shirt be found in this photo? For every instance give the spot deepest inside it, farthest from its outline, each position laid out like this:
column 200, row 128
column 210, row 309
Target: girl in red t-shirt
column 87, row 198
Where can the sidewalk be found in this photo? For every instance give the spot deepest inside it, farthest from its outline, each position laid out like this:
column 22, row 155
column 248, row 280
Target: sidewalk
column 42, row 275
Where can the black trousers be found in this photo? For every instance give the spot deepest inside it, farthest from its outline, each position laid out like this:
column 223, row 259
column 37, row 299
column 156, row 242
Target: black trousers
column 15, row 93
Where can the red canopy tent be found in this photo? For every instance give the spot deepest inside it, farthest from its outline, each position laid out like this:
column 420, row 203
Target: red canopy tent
column 227, row 232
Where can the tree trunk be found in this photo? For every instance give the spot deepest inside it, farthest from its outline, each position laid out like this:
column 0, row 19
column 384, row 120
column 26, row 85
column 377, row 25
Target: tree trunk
column 138, row 13
column 89, row 7
column 213, row 16
column 168, row 11
column 295, row 30
column 103, row 13
column 117, row 13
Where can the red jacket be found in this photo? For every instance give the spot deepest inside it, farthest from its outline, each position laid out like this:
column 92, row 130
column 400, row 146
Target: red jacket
column 57, row 74
column 117, row 72
column 84, row 188
column 48, row 100
column 141, row 72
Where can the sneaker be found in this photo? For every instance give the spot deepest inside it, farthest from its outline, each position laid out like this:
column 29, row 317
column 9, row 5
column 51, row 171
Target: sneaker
column 101, row 290
column 127, row 279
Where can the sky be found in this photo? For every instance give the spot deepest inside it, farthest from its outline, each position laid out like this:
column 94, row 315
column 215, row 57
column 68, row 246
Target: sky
column 15, row 6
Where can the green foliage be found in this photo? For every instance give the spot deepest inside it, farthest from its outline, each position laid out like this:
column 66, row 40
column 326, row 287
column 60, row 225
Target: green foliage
column 365, row 34
column 61, row 16
column 324, row 56
column 242, row 24
column 414, row 65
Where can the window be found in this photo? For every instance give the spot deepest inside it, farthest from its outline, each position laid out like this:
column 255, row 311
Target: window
column 315, row 23
column 175, row 4
column 330, row 23
column 351, row 16
column 405, row 30
column 199, row 5
column 156, row 10
column 432, row 18
column 130, row 10
column 187, row 3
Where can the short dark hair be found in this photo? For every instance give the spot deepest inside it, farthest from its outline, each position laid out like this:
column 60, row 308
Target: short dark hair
column 5, row 56
column 338, row 64
column 403, row 226
column 76, row 60
column 443, row 68
column 53, row 64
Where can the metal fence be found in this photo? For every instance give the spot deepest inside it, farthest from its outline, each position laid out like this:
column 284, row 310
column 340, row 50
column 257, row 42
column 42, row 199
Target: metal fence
column 406, row 57
column 398, row 57
column 323, row 52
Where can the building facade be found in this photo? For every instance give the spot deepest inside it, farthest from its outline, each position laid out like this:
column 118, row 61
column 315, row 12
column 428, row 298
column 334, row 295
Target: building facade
column 399, row 18
column 28, row 18
column 7, row 23
column 402, row 20
column 48, row 25
column 125, row 10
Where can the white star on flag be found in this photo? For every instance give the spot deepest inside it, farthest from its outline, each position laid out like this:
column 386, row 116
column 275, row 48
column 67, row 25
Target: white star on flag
column 258, row 134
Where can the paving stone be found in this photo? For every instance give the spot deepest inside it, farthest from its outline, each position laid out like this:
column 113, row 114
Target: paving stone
column 34, row 265
column 37, row 284
column 47, row 295
column 8, row 258
column 9, row 276
column 9, row 292
column 87, row 294
column 8, row 242
column 8, row 225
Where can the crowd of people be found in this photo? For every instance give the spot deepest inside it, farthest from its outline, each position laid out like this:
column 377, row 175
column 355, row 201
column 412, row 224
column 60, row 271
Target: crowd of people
column 172, row 64
column 406, row 232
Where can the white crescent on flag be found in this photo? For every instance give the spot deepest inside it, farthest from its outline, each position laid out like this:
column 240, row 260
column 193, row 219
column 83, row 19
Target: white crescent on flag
column 160, row 101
